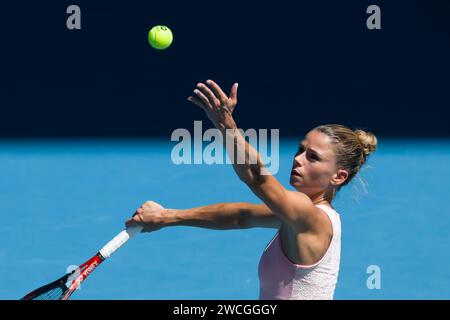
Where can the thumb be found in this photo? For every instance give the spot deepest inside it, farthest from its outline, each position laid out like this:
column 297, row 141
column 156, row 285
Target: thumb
column 233, row 93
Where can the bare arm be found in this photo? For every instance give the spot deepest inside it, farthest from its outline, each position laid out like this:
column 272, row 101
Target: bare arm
column 294, row 208
column 221, row 216
column 224, row 216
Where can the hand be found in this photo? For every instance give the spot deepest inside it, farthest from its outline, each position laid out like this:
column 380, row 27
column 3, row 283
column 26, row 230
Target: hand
column 216, row 104
column 150, row 215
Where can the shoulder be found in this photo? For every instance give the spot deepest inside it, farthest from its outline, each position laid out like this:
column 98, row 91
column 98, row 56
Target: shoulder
column 311, row 218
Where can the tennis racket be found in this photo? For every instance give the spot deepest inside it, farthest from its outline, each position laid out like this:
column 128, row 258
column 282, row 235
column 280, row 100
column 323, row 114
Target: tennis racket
column 63, row 288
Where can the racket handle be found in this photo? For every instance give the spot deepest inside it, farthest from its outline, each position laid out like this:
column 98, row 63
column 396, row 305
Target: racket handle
column 118, row 241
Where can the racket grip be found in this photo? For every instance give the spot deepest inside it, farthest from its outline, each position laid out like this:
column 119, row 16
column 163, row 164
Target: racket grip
column 118, row 241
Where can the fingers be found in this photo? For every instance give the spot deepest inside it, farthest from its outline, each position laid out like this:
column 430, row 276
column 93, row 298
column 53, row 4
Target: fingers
column 138, row 212
column 212, row 99
column 217, row 91
column 233, row 92
column 137, row 215
column 203, row 99
column 136, row 219
column 145, row 215
column 197, row 102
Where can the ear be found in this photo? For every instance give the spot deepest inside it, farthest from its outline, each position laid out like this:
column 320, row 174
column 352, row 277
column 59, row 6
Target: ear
column 339, row 177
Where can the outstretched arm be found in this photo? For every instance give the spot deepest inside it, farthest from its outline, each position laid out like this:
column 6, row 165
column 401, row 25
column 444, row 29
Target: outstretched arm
column 221, row 216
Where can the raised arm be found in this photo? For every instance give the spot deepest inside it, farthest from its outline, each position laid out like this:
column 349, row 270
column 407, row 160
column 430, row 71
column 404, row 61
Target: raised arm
column 221, row 216
column 294, row 208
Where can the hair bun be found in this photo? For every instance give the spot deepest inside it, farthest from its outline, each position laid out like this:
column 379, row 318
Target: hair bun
column 367, row 140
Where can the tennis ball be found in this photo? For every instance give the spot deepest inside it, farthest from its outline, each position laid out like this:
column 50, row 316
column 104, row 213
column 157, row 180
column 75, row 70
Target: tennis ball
column 160, row 37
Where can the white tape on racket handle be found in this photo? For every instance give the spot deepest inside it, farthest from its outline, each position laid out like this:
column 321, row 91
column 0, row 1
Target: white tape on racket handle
column 119, row 240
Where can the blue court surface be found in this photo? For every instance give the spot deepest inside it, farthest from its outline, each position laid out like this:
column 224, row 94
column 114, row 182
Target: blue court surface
column 61, row 200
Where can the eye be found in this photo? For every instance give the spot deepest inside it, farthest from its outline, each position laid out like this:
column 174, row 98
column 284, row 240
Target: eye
column 314, row 157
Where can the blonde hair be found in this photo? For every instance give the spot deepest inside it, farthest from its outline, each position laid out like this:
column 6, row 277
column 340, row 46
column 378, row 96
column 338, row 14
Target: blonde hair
column 351, row 147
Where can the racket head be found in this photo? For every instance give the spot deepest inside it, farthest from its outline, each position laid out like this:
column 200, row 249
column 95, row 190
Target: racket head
column 63, row 288
column 55, row 290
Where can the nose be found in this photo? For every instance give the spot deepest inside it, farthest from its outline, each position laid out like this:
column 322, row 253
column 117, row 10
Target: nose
column 298, row 160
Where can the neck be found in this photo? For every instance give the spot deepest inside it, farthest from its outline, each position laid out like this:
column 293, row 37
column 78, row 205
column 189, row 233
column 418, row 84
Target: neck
column 322, row 198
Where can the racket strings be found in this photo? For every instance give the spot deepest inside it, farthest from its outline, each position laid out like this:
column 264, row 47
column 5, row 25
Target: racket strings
column 54, row 294
column 53, row 291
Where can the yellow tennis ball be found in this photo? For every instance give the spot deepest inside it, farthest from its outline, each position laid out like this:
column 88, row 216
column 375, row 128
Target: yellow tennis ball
column 160, row 37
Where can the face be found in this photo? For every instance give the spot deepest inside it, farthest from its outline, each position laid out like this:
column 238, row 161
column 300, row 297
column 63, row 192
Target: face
column 314, row 169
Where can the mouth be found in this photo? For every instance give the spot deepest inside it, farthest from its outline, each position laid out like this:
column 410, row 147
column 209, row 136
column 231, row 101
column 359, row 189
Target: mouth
column 295, row 173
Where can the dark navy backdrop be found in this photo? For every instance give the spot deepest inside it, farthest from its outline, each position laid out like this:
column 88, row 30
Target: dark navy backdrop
column 297, row 65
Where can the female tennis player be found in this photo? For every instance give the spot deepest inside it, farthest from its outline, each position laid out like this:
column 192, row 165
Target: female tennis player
column 302, row 260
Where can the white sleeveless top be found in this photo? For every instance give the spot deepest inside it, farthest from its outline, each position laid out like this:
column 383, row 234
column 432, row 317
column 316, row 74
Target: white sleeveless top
column 281, row 279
